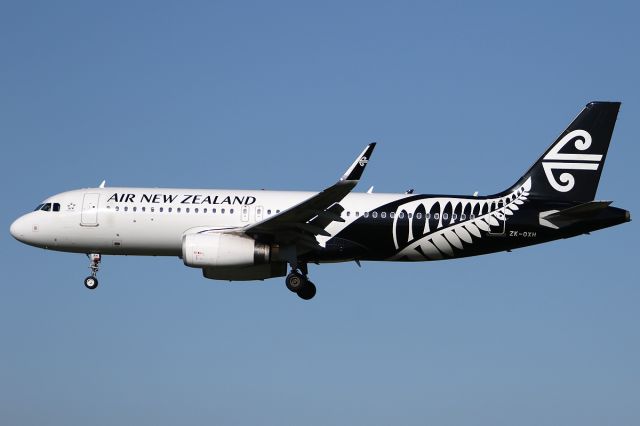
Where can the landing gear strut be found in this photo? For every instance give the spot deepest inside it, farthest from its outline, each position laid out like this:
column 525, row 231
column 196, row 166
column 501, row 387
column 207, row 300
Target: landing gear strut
column 91, row 282
column 299, row 283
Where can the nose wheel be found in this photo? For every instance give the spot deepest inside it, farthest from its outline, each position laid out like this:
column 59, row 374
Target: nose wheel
column 300, row 284
column 91, row 282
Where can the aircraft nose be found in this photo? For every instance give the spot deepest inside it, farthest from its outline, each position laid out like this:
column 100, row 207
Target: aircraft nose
column 18, row 229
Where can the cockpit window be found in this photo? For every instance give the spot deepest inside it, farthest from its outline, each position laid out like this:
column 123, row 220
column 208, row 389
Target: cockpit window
column 38, row 208
column 49, row 207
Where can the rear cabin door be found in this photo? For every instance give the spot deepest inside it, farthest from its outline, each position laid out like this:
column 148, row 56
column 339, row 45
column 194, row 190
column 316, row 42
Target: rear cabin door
column 501, row 218
column 89, row 215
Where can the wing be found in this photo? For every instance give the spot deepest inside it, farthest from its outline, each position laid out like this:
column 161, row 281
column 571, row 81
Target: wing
column 301, row 223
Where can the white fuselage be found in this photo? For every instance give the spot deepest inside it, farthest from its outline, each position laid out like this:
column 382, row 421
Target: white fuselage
column 152, row 221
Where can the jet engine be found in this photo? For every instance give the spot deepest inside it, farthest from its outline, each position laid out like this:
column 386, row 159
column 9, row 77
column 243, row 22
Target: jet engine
column 223, row 250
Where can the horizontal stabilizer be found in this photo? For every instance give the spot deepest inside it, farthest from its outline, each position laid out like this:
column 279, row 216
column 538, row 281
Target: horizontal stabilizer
column 556, row 218
column 581, row 210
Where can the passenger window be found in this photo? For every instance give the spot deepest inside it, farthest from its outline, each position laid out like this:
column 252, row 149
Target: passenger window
column 195, row 210
column 392, row 215
column 187, row 209
column 126, row 209
column 178, row 210
column 135, row 209
column 428, row 216
column 269, row 211
column 213, row 211
column 117, row 208
column 418, row 216
column 463, row 216
column 144, row 209
column 205, row 210
column 222, row 211
column 410, row 215
column 436, row 216
column 454, row 216
column 152, row 209
column 357, row 214
column 401, row 215
column 277, row 211
column 170, row 209
column 161, row 209
column 366, row 214
column 374, row 215
column 231, row 211
column 383, row 215
column 348, row 214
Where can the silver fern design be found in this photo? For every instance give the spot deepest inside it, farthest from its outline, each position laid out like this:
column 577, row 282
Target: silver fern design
column 437, row 226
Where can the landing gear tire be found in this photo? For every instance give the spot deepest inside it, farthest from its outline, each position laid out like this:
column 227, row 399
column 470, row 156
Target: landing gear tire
column 91, row 283
column 307, row 291
column 295, row 281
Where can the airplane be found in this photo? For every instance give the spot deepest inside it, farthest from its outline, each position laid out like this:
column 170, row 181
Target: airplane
column 240, row 235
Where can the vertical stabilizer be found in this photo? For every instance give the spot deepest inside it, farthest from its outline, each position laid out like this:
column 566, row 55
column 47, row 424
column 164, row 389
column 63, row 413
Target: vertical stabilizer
column 570, row 169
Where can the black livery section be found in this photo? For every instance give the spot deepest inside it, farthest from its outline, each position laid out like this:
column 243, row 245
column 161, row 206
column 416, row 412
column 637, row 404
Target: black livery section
column 552, row 200
column 372, row 239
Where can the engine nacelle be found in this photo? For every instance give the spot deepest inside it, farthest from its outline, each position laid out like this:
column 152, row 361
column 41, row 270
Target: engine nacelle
column 218, row 249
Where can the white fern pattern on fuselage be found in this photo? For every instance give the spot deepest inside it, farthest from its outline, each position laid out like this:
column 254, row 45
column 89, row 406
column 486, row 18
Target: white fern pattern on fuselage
column 452, row 231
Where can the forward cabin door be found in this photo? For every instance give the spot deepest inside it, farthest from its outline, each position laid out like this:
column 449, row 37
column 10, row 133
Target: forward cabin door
column 245, row 213
column 89, row 215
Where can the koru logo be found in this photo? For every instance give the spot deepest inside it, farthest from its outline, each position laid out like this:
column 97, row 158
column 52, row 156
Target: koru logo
column 363, row 161
column 557, row 160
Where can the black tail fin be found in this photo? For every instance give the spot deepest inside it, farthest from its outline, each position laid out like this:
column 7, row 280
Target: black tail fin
column 570, row 169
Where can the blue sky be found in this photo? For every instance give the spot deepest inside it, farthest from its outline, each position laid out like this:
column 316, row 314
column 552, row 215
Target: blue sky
column 282, row 95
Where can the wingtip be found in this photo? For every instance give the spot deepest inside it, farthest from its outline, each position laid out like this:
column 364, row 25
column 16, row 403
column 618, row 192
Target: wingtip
column 354, row 172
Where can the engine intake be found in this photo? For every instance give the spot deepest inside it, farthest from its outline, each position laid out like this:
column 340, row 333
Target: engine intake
column 218, row 249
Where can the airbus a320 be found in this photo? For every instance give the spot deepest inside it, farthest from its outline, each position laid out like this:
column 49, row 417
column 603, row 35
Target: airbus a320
column 240, row 235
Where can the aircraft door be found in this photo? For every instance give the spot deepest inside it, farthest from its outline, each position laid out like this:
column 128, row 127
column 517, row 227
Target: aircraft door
column 501, row 217
column 245, row 213
column 89, row 216
column 258, row 213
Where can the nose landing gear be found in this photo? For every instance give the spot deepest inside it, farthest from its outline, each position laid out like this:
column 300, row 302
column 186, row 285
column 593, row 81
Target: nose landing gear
column 91, row 282
column 299, row 283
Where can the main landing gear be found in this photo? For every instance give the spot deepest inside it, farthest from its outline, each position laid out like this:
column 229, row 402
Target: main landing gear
column 91, row 282
column 298, row 283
